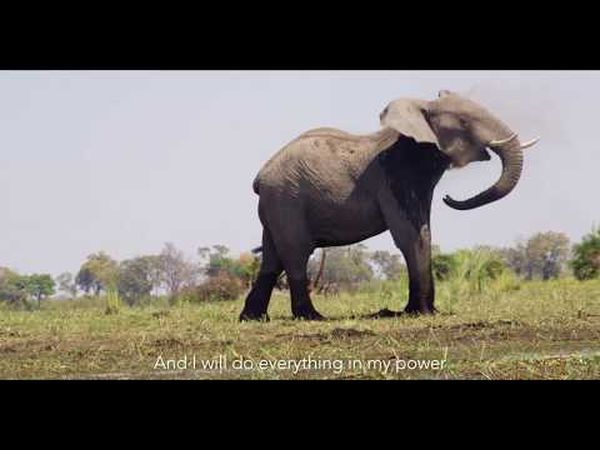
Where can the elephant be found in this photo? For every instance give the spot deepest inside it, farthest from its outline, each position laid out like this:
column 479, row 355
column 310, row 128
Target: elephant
column 329, row 188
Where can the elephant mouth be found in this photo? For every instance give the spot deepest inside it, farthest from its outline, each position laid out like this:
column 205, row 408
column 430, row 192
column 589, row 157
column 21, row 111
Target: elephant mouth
column 482, row 155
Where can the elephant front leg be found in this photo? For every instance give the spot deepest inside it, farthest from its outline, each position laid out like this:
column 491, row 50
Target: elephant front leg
column 416, row 249
column 413, row 239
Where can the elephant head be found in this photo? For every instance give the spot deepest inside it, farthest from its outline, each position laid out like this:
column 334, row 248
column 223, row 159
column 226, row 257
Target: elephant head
column 463, row 131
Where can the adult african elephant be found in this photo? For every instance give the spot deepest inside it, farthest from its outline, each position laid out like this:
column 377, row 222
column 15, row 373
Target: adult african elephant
column 329, row 188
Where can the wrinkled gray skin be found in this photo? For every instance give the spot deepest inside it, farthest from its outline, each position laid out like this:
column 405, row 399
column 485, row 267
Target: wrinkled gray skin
column 330, row 188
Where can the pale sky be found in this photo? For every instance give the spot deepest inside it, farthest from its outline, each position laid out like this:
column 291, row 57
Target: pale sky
column 126, row 161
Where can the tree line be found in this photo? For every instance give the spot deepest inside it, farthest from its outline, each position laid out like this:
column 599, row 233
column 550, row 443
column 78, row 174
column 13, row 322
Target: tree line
column 543, row 256
column 217, row 275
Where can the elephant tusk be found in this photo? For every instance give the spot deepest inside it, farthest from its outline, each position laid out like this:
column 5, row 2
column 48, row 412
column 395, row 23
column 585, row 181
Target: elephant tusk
column 502, row 141
column 530, row 143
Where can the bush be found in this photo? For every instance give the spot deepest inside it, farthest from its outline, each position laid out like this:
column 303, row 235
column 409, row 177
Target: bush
column 113, row 301
column 220, row 287
column 443, row 265
column 586, row 259
column 476, row 268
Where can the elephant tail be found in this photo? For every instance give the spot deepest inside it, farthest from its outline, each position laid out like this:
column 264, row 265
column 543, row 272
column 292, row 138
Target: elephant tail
column 257, row 250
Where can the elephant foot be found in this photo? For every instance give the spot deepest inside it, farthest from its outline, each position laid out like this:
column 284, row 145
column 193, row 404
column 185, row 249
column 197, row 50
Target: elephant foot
column 385, row 313
column 307, row 312
column 247, row 316
column 420, row 310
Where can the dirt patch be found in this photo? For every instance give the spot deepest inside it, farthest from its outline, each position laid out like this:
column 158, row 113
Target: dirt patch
column 7, row 349
column 336, row 333
column 481, row 325
column 168, row 342
column 344, row 333
column 10, row 333
column 584, row 353
column 313, row 336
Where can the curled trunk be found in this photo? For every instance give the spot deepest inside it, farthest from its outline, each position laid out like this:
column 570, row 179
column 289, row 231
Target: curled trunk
column 511, row 155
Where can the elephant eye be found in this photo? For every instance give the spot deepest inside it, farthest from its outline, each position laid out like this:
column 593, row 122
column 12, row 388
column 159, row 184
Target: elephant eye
column 383, row 113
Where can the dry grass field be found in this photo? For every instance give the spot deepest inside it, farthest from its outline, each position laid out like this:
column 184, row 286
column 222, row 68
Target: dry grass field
column 532, row 330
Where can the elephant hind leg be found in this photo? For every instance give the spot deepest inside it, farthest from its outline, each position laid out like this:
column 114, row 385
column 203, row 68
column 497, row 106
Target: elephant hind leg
column 257, row 301
column 295, row 249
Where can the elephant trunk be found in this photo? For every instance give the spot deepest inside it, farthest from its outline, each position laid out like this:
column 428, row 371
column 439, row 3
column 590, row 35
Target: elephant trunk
column 510, row 151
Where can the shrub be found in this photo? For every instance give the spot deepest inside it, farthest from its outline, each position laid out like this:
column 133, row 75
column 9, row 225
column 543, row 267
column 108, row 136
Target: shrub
column 220, row 287
column 113, row 301
column 476, row 267
column 586, row 259
column 443, row 266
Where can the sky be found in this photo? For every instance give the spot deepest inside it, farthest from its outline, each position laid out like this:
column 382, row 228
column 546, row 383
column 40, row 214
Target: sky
column 124, row 161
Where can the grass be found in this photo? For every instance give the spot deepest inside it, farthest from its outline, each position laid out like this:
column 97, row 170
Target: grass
column 510, row 330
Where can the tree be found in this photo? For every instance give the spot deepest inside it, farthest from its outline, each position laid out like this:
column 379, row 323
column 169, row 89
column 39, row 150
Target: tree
column 219, row 263
column 248, row 266
column 40, row 286
column 389, row 264
column 586, row 256
column 218, row 260
column 13, row 287
column 155, row 272
column 543, row 255
column 67, row 284
column 177, row 272
column 516, row 258
column 546, row 254
column 98, row 273
column 344, row 266
column 137, row 278
column 86, row 281
column 17, row 289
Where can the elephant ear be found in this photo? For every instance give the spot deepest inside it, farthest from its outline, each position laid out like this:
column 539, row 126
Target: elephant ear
column 407, row 116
